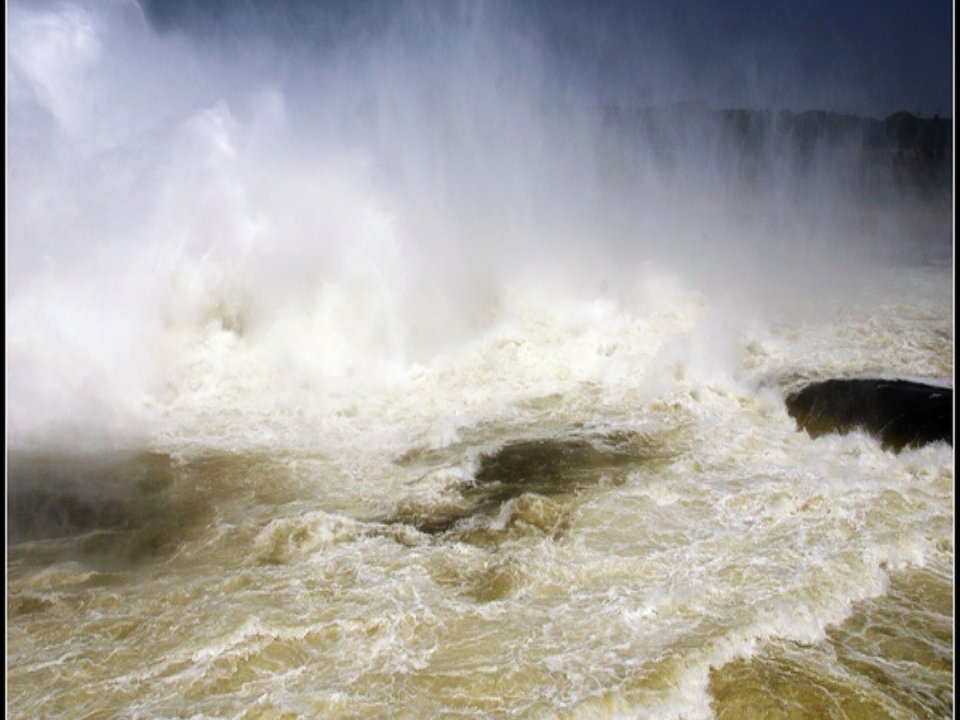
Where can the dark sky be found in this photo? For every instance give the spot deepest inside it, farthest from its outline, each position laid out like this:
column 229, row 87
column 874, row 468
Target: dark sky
column 871, row 57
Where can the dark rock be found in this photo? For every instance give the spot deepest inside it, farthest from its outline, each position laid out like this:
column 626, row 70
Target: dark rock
column 899, row 413
column 548, row 472
column 107, row 510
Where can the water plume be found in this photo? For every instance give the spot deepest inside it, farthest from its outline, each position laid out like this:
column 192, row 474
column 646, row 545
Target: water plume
column 223, row 211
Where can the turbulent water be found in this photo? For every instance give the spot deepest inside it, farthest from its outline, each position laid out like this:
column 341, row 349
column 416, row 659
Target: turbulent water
column 396, row 419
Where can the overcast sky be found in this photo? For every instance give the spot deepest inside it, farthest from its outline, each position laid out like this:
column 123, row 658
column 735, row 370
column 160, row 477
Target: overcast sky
column 871, row 57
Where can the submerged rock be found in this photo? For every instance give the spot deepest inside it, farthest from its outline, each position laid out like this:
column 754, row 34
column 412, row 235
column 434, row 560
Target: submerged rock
column 531, row 483
column 899, row 413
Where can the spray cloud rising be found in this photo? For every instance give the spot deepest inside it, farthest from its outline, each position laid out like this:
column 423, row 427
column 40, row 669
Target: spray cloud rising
column 214, row 210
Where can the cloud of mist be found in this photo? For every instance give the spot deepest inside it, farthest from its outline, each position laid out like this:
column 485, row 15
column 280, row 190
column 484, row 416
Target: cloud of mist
column 199, row 191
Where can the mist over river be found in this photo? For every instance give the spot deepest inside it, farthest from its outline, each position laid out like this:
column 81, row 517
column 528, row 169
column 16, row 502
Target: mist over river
column 362, row 364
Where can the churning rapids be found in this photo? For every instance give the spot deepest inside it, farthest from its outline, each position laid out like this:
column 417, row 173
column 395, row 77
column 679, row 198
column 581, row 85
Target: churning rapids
column 383, row 386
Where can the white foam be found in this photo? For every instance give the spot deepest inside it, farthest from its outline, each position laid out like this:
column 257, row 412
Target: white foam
column 220, row 255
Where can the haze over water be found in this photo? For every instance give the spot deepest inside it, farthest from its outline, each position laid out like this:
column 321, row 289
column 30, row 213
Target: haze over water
column 428, row 360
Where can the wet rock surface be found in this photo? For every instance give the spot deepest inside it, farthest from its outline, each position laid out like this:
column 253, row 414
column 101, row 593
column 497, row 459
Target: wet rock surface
column 899, row 413
column 532, row 482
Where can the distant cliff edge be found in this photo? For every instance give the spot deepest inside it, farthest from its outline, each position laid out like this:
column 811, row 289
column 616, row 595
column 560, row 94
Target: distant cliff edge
column 902, row 150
